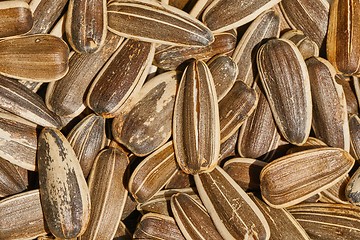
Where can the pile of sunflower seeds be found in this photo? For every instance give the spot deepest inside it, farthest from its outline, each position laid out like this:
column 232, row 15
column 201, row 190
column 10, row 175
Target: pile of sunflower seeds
column 179, row 119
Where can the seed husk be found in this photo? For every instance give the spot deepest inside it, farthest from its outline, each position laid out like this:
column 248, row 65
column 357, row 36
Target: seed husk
column 196, row 128
column 343, row 50
column 122, row 75
column 170, row 57
column 192, row 218
column 173, row 26
column 108, row 194
column 311, row 17
column 45, row 14
column 311, row 143
column 40, row 57
column 224, row 71
column 147, row 124
column 18, row 141
column 64, row 193
column 157, row 226
column 33, row 86
column 245, row 172
column 153, row 173
column 285, row 79
column 228, row 148
column 222, row 15
column 352, row 190
column 21, row 216
column 330, row 121
column 282, row 224
column 336, row 193
column 87, row 138
column 265, row 26
column 354, row 126
column 350, row 96
column 235, row 108
column 234, row 214
column 66, row 97
column 293, row 178
column 307, row 47
column 16, row 18
column 328, row 221
column 13, row 179
column 21, row 101
column 259, row 136
column 86, row 23
column 180, row 180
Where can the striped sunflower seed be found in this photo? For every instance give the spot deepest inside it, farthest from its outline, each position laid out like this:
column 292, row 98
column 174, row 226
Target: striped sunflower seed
column 16, row 18
column 343, row 50
column 122, row 76
column 286, row 83
column 330, row 120
column 354, row 126
column 21, row 101
column 13, row 179
column 87, row 138
column 153, row 173
column 21, row 217
column 196, row 128
column 107, row 194
column 352, row 190
column 192, row 218
column 350, row 96
column 336, row 193
column 64, row 193
column 146, row 126
column 222, row 15
column 307, row 47
column 180, row 180
column 173, row 26
column 157, row 226
column 45, row 14
column 311, row 17
column 263, row 27
column 86, row 23
column 38, row 57
column 234, row 214
column 328, row 221
column 291, row 179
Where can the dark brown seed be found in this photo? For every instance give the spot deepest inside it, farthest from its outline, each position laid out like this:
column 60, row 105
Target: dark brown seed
column 351, row 100
column 15, row 18
column 13, row 179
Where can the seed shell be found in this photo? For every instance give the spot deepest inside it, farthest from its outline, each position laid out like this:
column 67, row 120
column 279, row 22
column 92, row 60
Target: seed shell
column 15, row 18
column 13, row 179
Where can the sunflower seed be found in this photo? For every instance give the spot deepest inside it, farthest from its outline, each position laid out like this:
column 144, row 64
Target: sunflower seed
column 293, row 178
column 336, row 193
column 263, row 27
column 307, row 47
column 351, row 100
column 16, row 18
column 173, row 26
column 330, row 122
column 122, row 75
column 147, row 124
column 180, row 180
column 13, row 179
column 234, row 214
column 311, row 143
column 354, row 125
column 86, row 23
column 64, row 194
column 21, row 217
column 153, row 173
column 87, row 138
column 192, row 218
column 107, row 193
column 222, row 15
column 156, row 226
column 245, row 172
column 286, row 83
column 311, row 17
column 328, row 221
column 39, row 57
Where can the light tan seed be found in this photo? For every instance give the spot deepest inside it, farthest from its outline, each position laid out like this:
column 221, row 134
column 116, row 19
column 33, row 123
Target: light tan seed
column 108, row 194
column 196, row 128
column 38, row 57
column 234, row 214
column 173, row 26
column 222, row 15
column 293, row 178
column 330, row 122
column 87, row 138
column 285, row 79
column 266, row 25
column 16, row 18
column 21, row 216
column 328, row 221
column 64, row 193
